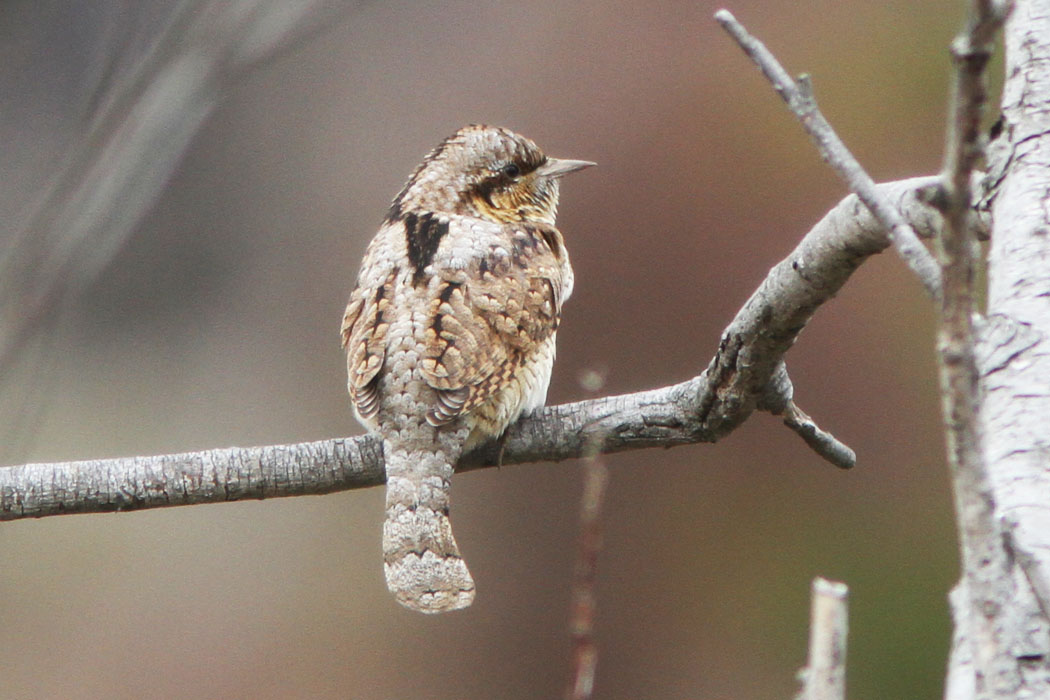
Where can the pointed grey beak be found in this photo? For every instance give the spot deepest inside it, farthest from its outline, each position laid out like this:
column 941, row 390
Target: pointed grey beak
column 559, row 167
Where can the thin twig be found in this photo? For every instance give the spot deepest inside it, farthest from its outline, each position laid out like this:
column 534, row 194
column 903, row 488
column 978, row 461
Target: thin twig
column 800, row 101
column 779, row 400
column 585, row 579
column 824, row 677
column 823, row 443
column 985, row 560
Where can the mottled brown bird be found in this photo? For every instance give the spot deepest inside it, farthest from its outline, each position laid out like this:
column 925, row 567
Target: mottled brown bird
column 450, row 335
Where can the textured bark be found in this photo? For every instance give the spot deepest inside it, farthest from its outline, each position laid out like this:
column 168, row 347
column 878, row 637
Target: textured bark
column 985, row 597
column 1015, row 364
column 1014, row 369
column 747, row 372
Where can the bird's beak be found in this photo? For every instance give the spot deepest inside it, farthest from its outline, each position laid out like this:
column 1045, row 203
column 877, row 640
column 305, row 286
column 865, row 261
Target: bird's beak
column 559, row 167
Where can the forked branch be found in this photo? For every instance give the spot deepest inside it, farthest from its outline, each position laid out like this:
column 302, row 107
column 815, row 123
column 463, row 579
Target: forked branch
column 799, row 98
column 746, row 373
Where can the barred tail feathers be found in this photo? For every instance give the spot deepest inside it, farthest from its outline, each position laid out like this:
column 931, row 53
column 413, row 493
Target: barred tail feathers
column 424, row 569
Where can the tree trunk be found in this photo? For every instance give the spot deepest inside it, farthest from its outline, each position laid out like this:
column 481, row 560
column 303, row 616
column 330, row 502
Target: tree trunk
column 1014, row 365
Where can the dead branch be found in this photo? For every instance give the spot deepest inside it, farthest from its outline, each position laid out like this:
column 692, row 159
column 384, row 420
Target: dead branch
column 746, row 373
column 986, row 563
column 799, row 98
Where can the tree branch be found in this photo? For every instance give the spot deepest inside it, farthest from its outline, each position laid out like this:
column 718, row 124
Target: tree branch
column 779, row 400
column 585, row 579
column 746, row 373
column 985, row 561
column 800, row 100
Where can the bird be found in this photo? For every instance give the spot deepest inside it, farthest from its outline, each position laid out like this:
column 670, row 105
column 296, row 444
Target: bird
column 450, row 335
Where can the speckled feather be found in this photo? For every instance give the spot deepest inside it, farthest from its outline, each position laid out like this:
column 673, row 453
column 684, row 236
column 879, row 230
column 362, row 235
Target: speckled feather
column 450, row 335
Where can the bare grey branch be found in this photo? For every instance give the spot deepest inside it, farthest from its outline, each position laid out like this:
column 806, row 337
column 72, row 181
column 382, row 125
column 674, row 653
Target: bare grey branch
column 986, row 563
column 800, row 100
column 702, row 409
column 823, row 443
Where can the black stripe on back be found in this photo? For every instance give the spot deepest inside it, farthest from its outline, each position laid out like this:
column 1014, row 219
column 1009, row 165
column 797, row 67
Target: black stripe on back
column 423, row 234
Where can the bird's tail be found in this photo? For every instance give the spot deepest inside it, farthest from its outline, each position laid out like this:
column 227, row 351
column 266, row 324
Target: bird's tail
column 424, row 569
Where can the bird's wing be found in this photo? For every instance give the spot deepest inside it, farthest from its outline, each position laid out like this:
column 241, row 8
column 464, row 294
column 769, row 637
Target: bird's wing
column 364, row 330
column 488, row 315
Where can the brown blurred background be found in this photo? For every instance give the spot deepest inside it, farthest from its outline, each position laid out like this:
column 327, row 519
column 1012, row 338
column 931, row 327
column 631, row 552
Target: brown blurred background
column 217, row 325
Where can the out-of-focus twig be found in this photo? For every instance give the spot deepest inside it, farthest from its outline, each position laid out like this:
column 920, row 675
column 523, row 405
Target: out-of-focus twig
column 584, row 653
column 824, row 677
column 152, row 97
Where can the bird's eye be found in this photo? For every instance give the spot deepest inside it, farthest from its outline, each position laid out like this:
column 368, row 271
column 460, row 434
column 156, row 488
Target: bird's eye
column 511, row 170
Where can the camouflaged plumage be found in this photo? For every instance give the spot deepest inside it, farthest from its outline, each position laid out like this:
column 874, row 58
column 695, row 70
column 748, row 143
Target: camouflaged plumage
column 450, row 335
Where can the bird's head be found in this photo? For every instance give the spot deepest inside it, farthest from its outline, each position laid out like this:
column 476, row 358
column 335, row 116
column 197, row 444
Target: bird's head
column 490, row 173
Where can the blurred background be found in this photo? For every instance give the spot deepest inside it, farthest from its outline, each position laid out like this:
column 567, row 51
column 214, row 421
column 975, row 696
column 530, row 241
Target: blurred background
column 214, row 322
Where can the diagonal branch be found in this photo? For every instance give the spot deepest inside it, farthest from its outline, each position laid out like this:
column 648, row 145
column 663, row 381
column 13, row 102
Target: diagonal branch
column 147, row 107
column 800, row 100
column 746, row 373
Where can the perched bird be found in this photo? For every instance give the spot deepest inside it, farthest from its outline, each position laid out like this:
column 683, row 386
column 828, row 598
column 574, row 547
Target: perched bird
column 449, row 335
